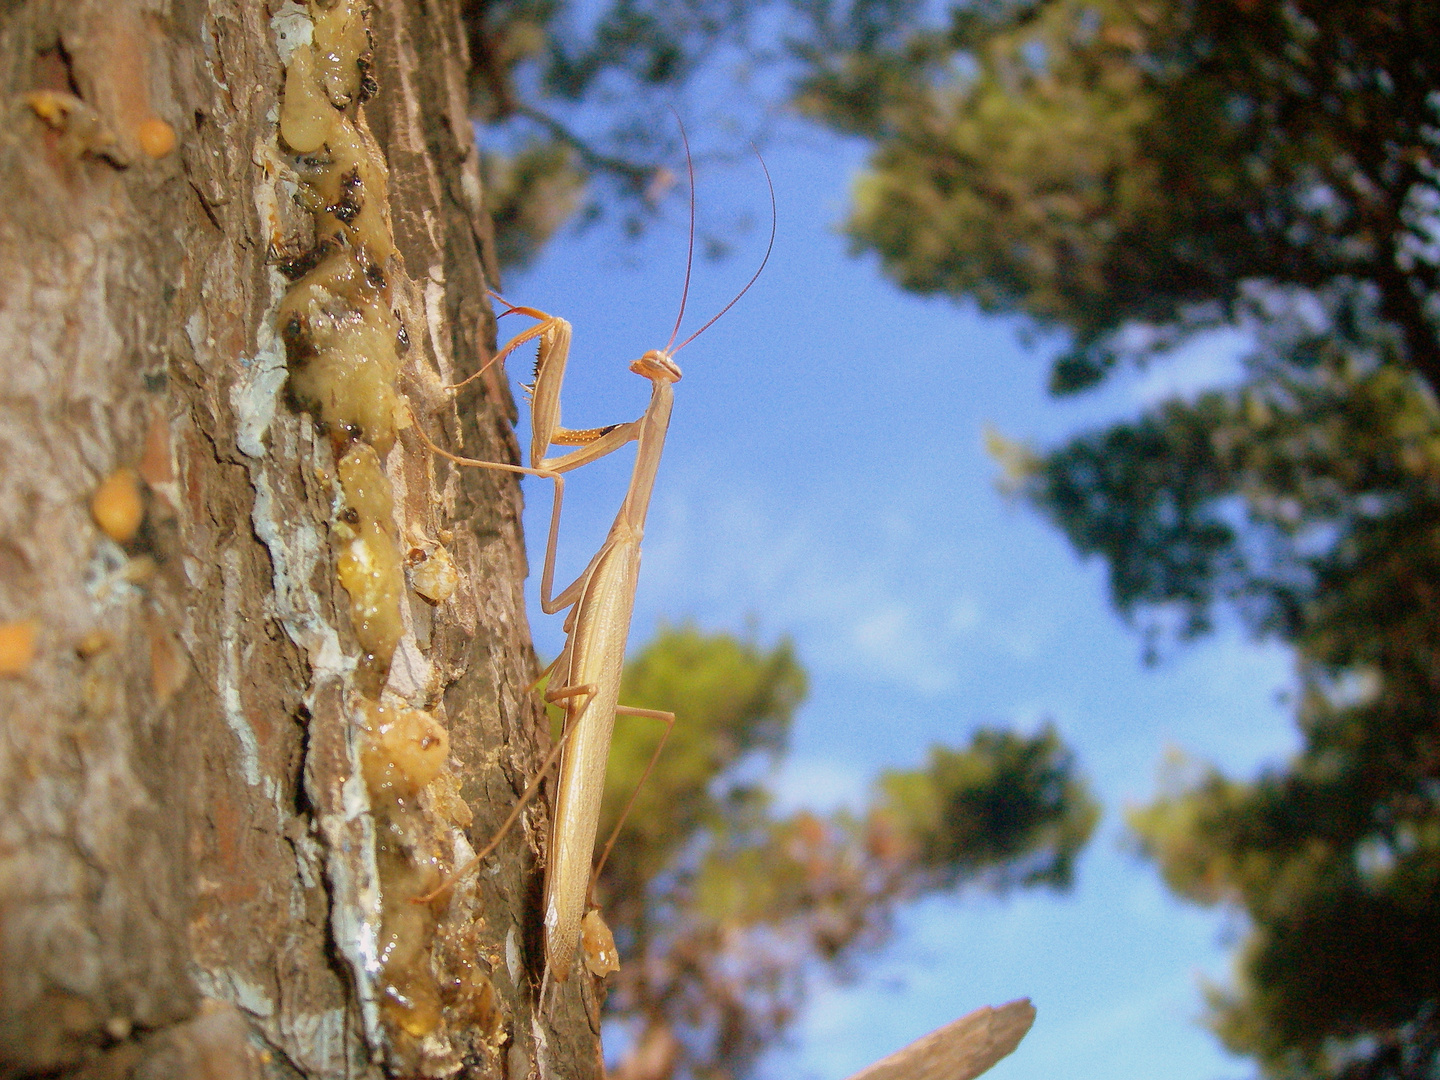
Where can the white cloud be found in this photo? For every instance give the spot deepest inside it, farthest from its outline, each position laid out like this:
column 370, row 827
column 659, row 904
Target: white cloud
column 819, row 785
column 852, row 591
column 891, row 639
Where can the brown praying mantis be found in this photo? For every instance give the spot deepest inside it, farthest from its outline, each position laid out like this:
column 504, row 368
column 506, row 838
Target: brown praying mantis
column 585, row 678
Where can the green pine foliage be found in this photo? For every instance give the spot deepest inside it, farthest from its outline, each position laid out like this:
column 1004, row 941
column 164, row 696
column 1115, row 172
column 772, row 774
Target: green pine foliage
column 1134, row 173
column 1308, row 501
column 1096, row 164
column 1008, row 810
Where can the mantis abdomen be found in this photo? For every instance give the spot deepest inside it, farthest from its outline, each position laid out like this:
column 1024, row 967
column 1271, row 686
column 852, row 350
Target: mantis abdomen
column 592, row 664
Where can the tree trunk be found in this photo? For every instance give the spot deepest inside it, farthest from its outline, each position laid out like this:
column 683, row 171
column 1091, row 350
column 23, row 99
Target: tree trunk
column 225, row 713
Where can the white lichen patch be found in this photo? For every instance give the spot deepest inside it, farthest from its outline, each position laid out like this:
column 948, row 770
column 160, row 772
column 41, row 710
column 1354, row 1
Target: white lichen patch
column 108, row 577
column 298, row 551
column 412, row 675
column 231, row 698
column 255, row 393
column 292, row 28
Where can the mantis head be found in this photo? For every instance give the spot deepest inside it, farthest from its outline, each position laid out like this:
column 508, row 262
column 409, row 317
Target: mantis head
column 656, row 365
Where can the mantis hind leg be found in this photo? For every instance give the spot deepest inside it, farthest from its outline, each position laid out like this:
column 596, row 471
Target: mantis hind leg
column 529, row 793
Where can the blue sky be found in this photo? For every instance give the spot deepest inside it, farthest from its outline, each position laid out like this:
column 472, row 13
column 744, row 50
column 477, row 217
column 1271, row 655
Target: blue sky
column 825, row 478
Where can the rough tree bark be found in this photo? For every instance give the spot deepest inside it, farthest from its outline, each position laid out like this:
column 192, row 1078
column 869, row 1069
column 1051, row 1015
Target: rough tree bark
column 195, row 878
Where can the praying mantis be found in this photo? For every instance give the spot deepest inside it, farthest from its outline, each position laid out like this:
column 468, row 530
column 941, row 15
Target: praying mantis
column 585, row 678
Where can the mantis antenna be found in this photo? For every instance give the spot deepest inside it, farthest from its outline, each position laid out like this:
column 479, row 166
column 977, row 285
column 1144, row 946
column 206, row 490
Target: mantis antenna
column 690, row 251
